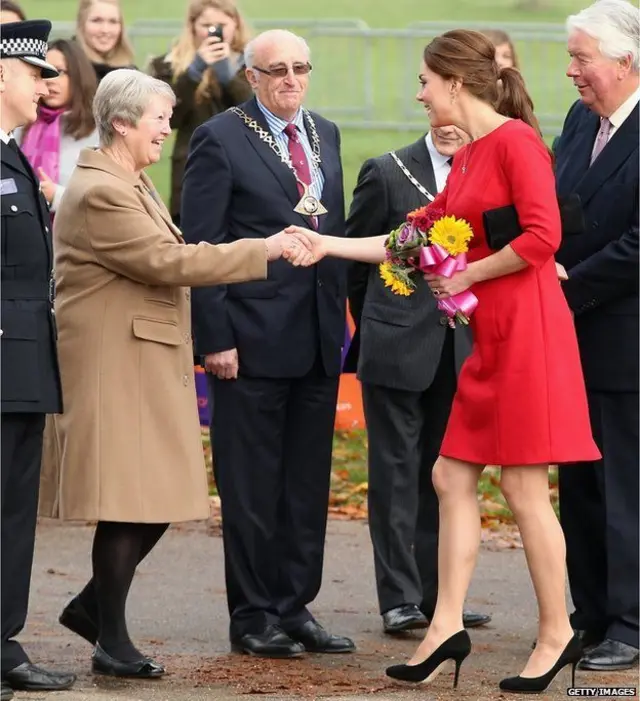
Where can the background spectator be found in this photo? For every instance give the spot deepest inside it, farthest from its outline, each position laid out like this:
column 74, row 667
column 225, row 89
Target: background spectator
column 65, row 123
column 506, row 56
column 207, row 74
column 101, row 34
column 11, row 12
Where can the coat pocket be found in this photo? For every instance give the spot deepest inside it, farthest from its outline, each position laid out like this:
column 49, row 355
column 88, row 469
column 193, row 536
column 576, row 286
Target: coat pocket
column 19, row 353
column 21, row 230
column 388, row 314
column 158, row 330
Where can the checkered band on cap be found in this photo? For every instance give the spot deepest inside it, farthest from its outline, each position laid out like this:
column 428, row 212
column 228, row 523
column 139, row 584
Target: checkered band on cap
column 16, row 48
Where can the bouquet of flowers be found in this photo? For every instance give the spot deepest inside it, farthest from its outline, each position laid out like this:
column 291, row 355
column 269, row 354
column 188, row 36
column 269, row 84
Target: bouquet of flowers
column 429, row 242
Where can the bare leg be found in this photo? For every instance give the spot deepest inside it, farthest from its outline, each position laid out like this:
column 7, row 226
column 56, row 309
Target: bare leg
column 526, row 490
column 456, row 484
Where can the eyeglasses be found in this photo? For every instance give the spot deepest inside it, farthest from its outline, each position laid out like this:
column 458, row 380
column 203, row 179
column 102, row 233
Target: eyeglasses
column 283, row 71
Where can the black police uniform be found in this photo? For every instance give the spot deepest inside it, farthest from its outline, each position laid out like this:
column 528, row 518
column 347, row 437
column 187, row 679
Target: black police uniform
column 30, row 382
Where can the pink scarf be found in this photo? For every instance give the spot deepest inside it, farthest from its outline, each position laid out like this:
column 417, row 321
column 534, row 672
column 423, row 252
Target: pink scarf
column 41, row 145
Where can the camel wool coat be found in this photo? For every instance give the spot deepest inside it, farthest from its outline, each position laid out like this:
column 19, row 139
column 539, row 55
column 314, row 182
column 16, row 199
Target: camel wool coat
column 128, row 445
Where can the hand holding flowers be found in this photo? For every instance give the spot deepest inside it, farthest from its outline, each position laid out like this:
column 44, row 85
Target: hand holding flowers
column 434, row 244
column 445, row 287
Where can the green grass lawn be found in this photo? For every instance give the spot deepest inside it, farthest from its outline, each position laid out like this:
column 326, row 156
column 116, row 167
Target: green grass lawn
column 358, row 78
column 376, row 13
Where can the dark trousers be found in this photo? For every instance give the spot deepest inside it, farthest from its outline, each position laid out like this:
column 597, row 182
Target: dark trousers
column 599, row 516
column 405, row 434
column 21, row 453
column 272, row 446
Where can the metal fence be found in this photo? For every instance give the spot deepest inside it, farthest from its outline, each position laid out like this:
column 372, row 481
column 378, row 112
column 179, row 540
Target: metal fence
column 367, row 78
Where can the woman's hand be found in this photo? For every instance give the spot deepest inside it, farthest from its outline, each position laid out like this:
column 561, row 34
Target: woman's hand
column 445, row 287
column 314, row 242
column 47, row 186
column 295, row 248
column 213, row 49
column 561, row 272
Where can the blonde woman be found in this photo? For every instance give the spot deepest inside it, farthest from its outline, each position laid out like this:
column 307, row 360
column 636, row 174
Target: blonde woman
column 101, row 34
column 206, row 71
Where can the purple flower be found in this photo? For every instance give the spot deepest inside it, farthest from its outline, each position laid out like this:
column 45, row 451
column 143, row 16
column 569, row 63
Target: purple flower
column 405, row 234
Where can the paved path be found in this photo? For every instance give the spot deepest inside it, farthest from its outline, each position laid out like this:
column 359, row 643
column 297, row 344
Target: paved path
column 177, row 613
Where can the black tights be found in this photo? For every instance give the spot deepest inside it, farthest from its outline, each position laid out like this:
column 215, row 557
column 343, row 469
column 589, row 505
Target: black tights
column 117, row 550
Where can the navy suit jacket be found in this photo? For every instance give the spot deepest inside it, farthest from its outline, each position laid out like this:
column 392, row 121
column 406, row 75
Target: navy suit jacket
column 235, row 187
column 602, row 262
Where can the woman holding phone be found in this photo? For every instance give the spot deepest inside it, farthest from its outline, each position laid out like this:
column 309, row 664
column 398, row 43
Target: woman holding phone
column 205, row 68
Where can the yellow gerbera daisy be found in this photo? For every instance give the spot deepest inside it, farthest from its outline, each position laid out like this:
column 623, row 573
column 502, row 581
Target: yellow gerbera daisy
column 452, row 234
column 397, row 286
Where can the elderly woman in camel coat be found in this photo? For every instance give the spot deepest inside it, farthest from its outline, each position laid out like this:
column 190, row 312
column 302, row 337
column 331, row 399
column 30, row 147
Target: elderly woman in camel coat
column 128, row 444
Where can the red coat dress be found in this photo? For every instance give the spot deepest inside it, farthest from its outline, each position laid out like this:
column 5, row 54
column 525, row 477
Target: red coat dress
column 521, row 396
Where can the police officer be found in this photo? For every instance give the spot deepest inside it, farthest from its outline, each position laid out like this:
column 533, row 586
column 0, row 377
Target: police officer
column 30, row 382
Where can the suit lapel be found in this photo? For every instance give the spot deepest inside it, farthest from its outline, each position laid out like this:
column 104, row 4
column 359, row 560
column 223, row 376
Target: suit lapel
column 422, row 167
column 149, row 193
column 330, row 167
column 281, row 172
column 575, row 163
column 13, row 160
column 617, row 150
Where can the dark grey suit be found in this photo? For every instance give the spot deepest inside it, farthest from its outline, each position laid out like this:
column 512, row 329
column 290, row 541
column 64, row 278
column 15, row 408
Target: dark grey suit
column 407, row 358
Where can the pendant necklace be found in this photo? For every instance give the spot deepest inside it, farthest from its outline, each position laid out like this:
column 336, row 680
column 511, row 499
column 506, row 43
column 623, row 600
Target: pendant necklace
column 309, row 205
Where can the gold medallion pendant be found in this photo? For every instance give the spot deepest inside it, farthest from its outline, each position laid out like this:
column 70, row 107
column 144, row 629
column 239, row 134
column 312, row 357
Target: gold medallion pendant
column 309, row 205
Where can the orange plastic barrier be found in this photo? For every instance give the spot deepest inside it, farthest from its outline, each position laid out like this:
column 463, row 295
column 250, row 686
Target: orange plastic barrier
column 349, row 414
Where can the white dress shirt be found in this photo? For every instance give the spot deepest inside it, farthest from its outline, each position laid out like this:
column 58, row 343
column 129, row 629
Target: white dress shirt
column 276, row 126
column 4, row 136
column 624, row 111
column 440, row 163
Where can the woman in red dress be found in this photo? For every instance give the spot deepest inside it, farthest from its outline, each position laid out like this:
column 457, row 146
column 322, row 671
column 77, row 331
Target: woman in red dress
column 521, row 400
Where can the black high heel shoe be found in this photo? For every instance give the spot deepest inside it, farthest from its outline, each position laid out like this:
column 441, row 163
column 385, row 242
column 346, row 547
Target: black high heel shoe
column 455, row 648
column 536, row 685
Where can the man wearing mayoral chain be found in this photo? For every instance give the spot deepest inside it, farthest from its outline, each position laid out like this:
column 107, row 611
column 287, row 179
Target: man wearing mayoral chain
column 272, row 349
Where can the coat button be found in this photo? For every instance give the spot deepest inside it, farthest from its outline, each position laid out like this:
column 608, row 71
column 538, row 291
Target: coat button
column 187, row 338
column 187, row 295
column 14, row 208
column 443, row 321
column 46, row 229
column 185, row 380
column 319, row 283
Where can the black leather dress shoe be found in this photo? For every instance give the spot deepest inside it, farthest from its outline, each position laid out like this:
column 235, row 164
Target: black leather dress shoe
column 6, row 692
column 610, row 656
column 271, row 642
column 144, row 668
column 472, row 619
column 75, row 617
column 30, row 677
column 403, row 618
column 316, row 639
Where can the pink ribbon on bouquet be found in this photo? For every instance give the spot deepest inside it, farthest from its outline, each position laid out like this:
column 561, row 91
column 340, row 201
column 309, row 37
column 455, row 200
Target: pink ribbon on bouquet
column 438, row 261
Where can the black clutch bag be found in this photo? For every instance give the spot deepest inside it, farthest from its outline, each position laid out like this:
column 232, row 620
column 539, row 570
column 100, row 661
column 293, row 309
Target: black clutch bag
column 501, row 225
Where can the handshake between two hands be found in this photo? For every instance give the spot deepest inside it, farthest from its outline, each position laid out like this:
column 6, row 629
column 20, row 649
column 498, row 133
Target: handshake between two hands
column 299, row 246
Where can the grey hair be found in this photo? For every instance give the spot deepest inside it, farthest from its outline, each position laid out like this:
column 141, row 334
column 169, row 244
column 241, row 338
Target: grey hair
column 124, row 94
column 615, row 24
column 272, row 35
